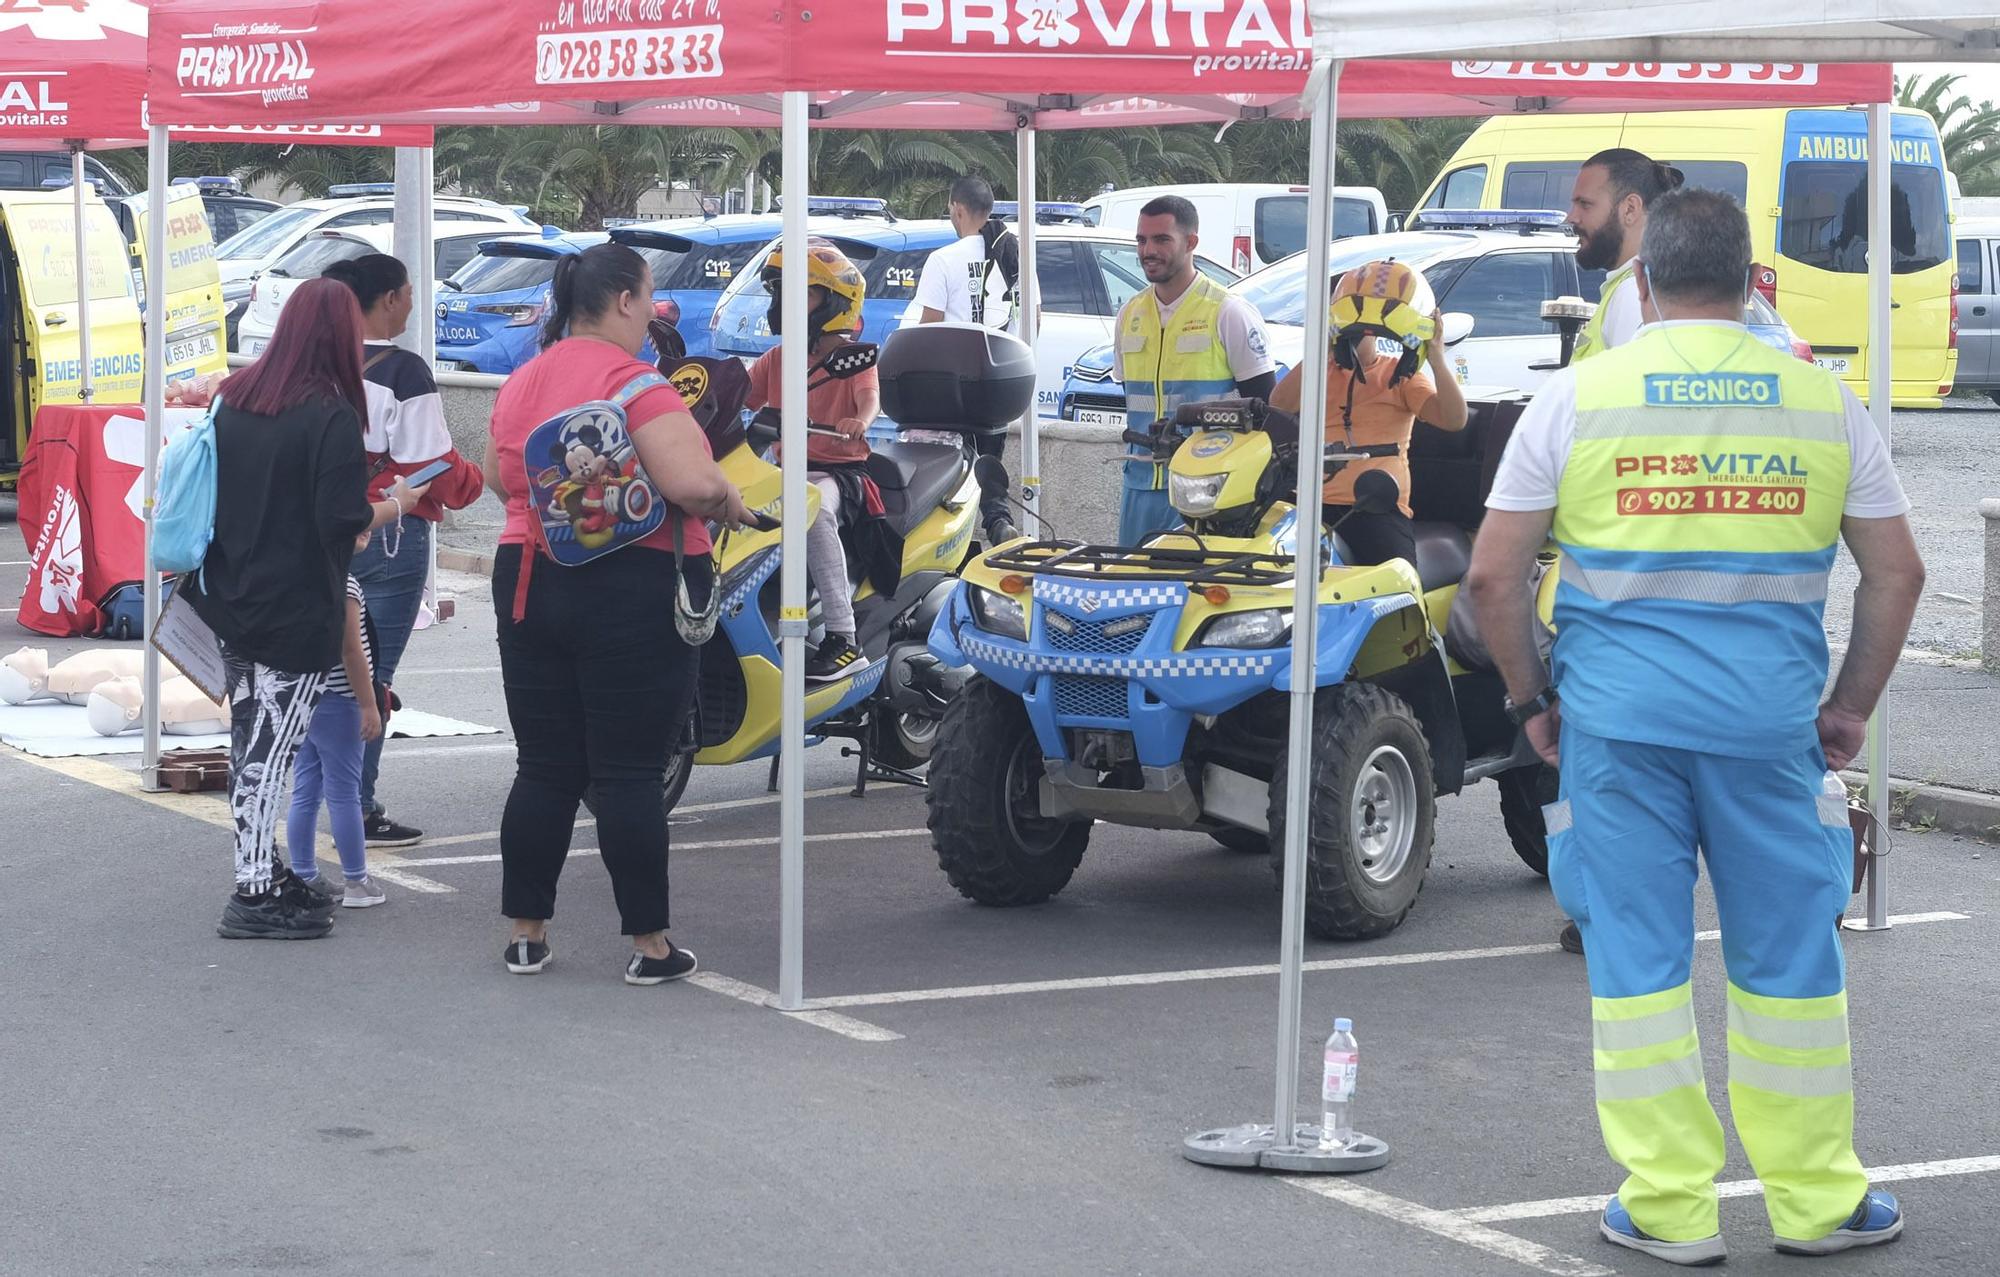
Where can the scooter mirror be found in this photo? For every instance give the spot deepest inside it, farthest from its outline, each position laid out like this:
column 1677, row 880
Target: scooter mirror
column 851, row 360
column 1376, row 492
column 992, row 476
column 1457, row 327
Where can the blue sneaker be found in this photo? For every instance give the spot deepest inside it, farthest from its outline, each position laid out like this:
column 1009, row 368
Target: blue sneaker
column 1617, row 1227
column 1876, row 1220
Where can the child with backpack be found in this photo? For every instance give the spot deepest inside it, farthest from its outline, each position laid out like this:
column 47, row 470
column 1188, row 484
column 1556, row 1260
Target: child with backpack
column 328, row 766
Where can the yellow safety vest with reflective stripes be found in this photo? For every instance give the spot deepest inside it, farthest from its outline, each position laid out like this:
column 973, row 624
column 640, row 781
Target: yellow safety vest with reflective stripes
column 1185, row 363
column 1591, row 340
column 1698, row 514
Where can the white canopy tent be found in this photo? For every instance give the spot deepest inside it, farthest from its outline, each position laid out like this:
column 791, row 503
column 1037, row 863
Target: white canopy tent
column 1829, row 31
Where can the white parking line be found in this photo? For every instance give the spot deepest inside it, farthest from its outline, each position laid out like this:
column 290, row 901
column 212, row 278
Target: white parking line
column 1733, row 1188
column 846, row 1026
column 451, row 669
column 713, row 844
column 1237, row 973
column 1450, row 1226
column 684, row 809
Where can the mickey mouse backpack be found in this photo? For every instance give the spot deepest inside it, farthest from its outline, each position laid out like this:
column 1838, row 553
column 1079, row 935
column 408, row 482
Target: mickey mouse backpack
column 589, row 493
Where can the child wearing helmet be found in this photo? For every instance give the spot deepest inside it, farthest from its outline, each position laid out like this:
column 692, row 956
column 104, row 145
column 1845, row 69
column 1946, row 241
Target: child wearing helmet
column 1374, row 398
column 833, row 318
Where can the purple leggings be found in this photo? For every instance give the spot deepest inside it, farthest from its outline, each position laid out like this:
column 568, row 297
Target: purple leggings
column 329, row 766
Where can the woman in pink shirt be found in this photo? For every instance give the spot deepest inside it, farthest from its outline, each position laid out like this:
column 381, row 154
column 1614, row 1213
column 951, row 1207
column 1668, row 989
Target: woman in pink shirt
column 833, row 317
column 597, row 676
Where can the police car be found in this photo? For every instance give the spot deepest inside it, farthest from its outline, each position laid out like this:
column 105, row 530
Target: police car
column 1085, row 274
column 1497, row 266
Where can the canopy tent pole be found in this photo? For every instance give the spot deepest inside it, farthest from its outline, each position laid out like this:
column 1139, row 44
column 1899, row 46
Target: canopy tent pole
column 1027, row 302
column 1880, row 399
column 84, row 389
column 795, row 343
column 156, row 419
column 414, row 215
column 1284, row 1145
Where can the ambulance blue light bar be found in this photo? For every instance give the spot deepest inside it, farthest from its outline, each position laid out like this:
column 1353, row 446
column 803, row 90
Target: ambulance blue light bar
column 1045, row 211
column 845, row 206
column 1487, row 219
column 210, row 185
column 348, row 190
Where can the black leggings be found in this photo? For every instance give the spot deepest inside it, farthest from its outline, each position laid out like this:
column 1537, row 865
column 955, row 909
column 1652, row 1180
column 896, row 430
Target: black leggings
column 598, row 682
column 1375, row 538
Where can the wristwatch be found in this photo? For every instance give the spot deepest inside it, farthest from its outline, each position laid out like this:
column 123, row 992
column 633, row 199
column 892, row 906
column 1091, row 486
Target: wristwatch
column 1541, row 703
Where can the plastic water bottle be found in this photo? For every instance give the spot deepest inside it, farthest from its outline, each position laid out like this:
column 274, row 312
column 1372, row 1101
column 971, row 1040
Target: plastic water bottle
column 1343, row 1059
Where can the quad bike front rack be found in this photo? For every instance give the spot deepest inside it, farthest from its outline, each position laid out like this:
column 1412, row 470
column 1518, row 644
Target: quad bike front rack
column 1196, row 566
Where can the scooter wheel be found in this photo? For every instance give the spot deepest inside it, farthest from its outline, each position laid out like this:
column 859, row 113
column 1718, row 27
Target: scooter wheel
column 985, row 818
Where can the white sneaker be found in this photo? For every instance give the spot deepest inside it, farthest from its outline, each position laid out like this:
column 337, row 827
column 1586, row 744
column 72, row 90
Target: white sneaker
column 362, row 893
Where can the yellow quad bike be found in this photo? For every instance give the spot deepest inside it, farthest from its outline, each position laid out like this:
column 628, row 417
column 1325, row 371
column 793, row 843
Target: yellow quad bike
column 953, row 382
column 1147, row 685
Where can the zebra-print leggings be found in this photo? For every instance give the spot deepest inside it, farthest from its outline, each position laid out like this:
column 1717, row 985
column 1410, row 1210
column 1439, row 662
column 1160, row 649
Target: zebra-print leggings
column 270, row 712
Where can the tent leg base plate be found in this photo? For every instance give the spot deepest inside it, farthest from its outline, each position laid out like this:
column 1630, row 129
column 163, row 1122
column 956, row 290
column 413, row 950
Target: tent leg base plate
column 1256, row 1147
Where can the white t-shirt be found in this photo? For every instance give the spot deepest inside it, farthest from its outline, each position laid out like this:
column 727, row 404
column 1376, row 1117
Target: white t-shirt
column 1531, row 471
column 1237, row 323
column 1622, row 319
column 953, row 283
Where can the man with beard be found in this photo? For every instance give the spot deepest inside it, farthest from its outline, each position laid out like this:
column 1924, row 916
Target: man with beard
column 1608, row 210
column 1183, row 340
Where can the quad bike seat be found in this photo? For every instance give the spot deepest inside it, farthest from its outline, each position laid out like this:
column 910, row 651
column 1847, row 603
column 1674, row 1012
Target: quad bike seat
column 1444, row 552
column 914, row 479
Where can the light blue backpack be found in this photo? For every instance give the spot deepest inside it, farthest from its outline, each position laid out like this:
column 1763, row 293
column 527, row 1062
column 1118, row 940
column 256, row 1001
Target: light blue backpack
column 184, row 507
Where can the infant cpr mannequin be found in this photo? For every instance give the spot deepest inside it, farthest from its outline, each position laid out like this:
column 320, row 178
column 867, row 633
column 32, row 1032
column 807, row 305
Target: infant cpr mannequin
column 117, row 705
column 27, row 675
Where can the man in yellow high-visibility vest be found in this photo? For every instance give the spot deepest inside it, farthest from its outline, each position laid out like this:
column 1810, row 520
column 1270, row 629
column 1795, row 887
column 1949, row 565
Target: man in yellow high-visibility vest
column 1185, row 339
column 1607, row 208
column 1698, row 484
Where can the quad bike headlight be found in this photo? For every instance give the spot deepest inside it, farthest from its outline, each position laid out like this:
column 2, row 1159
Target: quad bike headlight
column 1261, row 628
column 1195, row 495
column 998, row 614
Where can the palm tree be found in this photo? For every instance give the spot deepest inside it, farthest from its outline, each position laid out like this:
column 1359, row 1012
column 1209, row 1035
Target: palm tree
column 1971, row 134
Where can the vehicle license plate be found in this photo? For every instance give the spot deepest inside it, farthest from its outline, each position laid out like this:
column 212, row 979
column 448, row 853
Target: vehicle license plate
column 1836, row 364
column 1100, row 417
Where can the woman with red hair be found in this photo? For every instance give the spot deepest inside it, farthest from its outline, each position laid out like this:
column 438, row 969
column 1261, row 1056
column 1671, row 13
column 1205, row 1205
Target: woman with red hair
column 291, row 497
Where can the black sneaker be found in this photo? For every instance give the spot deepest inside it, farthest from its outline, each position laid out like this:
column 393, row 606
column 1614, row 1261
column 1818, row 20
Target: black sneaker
column 679, row 964
column 526, row 957
column 384, row 832
column 1571, row 939
column 833, row 660
column 274, row 915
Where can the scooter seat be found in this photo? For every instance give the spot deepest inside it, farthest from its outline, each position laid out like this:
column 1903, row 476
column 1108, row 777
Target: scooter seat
column 914, row 478
column 1444, row 552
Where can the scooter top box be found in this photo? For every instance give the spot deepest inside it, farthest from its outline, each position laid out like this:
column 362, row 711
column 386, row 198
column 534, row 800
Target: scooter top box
column 961, row 377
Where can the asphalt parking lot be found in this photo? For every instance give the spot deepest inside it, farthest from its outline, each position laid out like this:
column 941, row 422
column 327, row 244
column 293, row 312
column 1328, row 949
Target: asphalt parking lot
column 979, row 1091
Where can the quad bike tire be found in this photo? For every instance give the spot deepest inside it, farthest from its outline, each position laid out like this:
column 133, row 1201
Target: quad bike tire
column 1236, row 838
column 1523, row 793
column 1374, row 813
column 991, row 840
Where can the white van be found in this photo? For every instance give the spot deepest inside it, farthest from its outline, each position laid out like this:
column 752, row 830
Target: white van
column 1249, row 225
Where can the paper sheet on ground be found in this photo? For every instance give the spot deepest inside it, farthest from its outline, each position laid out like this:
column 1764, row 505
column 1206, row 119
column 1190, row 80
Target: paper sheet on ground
column 50, row 730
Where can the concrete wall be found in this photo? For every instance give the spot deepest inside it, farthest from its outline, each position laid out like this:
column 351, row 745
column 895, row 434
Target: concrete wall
column 1080, row 472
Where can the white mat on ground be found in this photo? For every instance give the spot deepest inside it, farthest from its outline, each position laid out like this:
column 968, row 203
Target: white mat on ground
column 49, row 730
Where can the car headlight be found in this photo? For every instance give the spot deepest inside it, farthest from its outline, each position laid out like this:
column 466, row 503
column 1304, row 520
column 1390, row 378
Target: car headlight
column 1195, row 495
column 1261, row 628
column 997, row 613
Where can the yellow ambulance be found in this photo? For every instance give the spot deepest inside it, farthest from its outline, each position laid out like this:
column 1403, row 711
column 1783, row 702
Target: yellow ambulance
column 1802, row 175
column 40, row 347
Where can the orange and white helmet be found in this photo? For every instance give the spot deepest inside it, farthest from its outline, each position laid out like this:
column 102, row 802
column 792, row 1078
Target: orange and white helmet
column 1384, row 299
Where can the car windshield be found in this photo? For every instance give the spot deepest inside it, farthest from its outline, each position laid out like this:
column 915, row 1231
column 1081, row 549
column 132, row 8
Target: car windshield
column 1278, row 291
column 316, row 254
column 264, row 238
column 502, row 274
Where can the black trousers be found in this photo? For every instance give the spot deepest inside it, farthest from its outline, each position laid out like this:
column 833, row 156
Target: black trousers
column 598, row 682
column 1375, row 538
column 993, row 508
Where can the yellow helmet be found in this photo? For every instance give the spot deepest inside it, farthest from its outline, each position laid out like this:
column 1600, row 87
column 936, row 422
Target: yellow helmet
column 826, row 267
column 1385, row 299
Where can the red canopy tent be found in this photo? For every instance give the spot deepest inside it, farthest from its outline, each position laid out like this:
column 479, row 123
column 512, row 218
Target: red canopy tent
column 896, row 63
